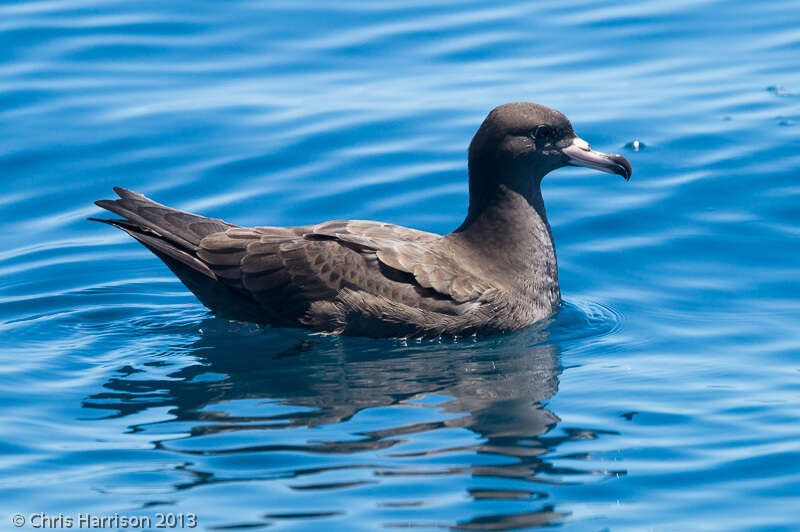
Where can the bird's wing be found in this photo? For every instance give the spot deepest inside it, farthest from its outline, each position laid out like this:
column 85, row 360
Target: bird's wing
column 434, row 269
column 280, row 268
column 286, row 269
column 373, row 230
column 281, row 274
column 423, row 255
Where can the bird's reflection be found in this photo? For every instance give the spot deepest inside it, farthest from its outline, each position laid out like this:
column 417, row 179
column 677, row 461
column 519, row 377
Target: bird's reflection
column 496, row 388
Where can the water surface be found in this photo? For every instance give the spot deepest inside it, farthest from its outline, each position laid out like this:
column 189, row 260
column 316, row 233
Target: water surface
column 664, row 396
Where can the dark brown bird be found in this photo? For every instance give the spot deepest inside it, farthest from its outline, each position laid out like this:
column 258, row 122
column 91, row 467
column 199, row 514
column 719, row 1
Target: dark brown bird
column 496, row 272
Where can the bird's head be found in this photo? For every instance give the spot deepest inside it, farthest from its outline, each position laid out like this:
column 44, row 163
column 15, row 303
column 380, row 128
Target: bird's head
column 524, row 141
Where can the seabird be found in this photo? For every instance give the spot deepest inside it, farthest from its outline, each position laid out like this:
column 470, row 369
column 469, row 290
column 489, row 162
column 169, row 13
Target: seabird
column 496, row 272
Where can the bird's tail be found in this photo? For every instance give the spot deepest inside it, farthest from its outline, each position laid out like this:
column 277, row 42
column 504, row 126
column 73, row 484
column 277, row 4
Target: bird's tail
column 174, row 237
column 165, row 231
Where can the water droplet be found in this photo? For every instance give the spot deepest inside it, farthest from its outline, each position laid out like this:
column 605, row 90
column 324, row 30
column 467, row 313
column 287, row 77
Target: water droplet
column 636, row 145
column 780, row 91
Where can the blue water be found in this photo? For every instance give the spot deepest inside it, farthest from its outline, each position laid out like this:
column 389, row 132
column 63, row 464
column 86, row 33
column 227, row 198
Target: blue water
column 664, row 396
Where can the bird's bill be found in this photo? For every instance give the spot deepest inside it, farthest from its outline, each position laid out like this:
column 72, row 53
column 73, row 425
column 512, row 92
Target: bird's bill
column 580, row 154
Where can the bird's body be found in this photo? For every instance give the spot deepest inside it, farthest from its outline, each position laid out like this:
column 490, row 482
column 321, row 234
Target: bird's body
column 496, row 272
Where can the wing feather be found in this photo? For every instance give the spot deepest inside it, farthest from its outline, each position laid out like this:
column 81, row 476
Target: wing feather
column 287, row 270
column 415, row 252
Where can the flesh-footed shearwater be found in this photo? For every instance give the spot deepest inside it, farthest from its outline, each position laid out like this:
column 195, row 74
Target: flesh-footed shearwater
column 496, row 272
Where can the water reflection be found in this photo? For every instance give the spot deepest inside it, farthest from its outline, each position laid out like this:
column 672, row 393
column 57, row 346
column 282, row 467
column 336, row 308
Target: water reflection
column 276, row 382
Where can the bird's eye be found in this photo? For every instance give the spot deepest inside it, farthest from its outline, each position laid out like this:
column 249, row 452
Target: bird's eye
column 543, row 132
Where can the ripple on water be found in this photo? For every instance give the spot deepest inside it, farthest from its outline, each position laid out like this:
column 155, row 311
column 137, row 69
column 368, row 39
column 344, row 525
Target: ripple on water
column 581, row 319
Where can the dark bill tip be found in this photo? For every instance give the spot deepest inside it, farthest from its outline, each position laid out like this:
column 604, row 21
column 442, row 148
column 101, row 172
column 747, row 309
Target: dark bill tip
column 580, row 154
column 625, row 169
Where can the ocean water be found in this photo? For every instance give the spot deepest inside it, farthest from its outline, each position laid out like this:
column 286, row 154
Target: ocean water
column 664, row 396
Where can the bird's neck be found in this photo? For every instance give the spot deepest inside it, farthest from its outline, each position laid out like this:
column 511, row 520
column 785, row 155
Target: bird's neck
column 509, row 226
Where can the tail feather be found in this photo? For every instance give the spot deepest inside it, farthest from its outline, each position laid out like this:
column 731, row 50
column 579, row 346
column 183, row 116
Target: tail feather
column 159, row 246
column 169, row 231
column 174, row 237
column 180, row 228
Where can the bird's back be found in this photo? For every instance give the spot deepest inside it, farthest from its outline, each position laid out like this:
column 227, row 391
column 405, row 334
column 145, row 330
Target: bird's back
column 352, row 277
